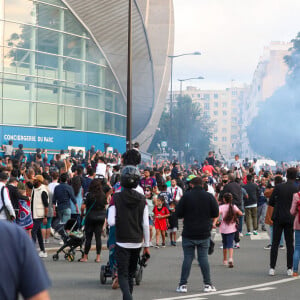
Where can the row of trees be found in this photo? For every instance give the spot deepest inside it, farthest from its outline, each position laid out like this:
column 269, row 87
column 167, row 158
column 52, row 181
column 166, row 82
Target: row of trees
column 191, row 132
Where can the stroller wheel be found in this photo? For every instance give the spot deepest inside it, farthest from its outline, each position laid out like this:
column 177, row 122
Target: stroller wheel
column 102, row 275
column 139, row 275
column 66, row 255
column 55, row 257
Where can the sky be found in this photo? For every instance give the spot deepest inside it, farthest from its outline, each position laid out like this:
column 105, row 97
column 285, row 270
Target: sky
column 231, row 36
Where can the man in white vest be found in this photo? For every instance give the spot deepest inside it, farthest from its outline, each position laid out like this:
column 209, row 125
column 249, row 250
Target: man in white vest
column 39, row 210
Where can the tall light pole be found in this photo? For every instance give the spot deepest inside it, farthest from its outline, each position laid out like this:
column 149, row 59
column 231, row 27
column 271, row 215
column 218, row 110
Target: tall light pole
column 129, row 81
column 171, row 92
column 181, row 80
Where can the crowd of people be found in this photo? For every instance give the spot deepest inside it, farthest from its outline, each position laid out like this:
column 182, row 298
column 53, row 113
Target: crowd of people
column 110, row 193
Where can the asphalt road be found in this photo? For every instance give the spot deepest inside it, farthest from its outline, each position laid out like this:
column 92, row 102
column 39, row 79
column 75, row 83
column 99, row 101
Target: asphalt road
column 247, row 280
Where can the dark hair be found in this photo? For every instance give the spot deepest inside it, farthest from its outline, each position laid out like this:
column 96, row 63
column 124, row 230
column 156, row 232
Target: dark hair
column 10, row 142
column 63, row 177
column 95, row 188
column 197, row 181
column 55, row 175
column 90, row 171
column 230, row 217
column 12, row 180
column 277, row 180
column 164, row 187
column 20, row 146
column 76, row 184
column 249, row 178
column 291, row 173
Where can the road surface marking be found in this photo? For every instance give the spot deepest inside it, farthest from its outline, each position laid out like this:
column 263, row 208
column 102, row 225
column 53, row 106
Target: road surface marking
column 249, row 287
column 260, row 236
column 232, row 294
column 265, row 289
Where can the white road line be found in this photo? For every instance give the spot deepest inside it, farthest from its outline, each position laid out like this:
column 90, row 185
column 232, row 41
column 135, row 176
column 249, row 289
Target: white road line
column 265, row 289
column 249, row 287
column 232, row 294
column 260, row 236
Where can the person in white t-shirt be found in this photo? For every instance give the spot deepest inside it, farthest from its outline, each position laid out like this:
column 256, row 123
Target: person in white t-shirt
column 101, row 169
column 175, row 191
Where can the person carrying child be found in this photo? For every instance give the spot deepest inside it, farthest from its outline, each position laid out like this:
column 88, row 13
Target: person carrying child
column 229, row 213
column 161, row 213
column 173, row 223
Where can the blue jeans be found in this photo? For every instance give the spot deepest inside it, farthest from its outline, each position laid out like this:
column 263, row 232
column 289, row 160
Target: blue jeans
column 189, row 247
column 64, row 215
column 296, row 256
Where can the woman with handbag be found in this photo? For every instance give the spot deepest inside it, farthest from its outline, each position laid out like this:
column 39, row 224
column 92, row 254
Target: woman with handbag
column 94, row 205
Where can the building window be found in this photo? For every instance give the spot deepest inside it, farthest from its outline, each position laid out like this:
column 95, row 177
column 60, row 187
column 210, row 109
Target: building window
column 215, row 139
column 216, row 104
column 234, row 93
column 206, row 114
column 224, row 122
column 234, row 137
column 206, row 96
column 224, row 104
column 224, row 139
column 224, row 130
column 215, row 113
column 234, row 119
column 206, row 106
column 216, row 96
column 224, row 113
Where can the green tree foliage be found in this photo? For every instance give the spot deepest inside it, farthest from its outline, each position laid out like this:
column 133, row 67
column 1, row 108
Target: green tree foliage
column 189, row 127
column 274, row 132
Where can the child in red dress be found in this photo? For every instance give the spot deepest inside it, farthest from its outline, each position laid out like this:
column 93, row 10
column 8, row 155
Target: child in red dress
column 161, row 213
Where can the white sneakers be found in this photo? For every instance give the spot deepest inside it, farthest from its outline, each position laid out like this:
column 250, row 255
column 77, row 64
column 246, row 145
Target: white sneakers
column 181, row 289
column 209, row 288
column 289, row 272
column 272, row 272
column 43, row 254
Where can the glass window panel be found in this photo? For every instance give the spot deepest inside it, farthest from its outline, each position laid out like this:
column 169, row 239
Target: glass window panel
column 92, row 74
column 72, row 97
column 72, row 70
column 120, row 125
column 16, row 35
column 46, row 115
column 47, row 65
column 20, row 10
column 47, row 40
column 72, row 46
column 93, row 54
column 16, row 112
column 72, row 25
column 72, row 118
column 48, row 16
column 47, row 90
column 95, row 100
column 95, row 120
column 17, row 60
column 17, row 87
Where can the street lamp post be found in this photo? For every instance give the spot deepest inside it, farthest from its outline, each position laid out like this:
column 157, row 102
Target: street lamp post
column 171, row 92
column 181, row 80
column 129, row 81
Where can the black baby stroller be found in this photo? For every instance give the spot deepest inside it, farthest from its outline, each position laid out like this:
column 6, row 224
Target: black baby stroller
column 73, row 240
column 105, row 271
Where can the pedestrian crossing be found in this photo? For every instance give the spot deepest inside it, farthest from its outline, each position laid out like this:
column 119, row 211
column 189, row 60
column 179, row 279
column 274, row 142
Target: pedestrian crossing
column 259, row 288
column 218, row 237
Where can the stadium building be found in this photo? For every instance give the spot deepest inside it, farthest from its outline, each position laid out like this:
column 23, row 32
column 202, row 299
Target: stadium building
column 63, row 71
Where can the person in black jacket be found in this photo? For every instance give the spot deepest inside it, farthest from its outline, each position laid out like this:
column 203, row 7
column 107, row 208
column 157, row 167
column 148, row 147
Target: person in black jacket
column 281, row 199
column 129, row 215
column 197, row 208
column 132, row 156
column 250, row 204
